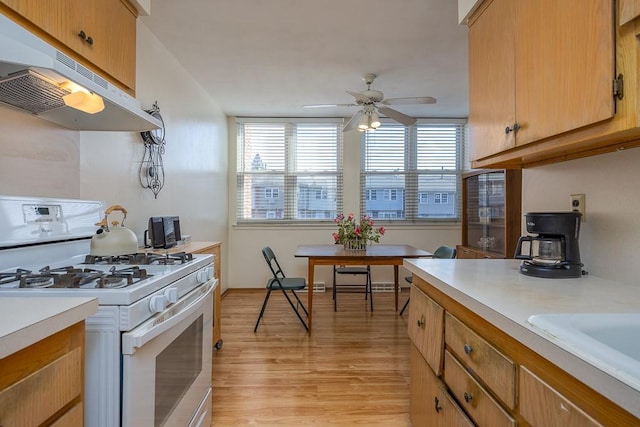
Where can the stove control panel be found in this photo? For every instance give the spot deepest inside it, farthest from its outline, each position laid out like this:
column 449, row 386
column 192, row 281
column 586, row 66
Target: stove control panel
column 37, row 213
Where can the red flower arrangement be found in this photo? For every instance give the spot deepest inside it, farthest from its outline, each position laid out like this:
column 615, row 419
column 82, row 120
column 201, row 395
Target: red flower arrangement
column 351, row 231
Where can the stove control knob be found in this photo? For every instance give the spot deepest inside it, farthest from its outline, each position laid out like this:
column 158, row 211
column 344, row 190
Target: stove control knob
column 157, row 303
column 171, row 295
column 205, row 274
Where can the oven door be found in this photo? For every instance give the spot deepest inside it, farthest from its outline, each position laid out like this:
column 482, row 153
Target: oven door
column 167, row 365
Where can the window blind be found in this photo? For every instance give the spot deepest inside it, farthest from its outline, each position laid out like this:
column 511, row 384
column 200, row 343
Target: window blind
column 289, row 170
column 413, row 173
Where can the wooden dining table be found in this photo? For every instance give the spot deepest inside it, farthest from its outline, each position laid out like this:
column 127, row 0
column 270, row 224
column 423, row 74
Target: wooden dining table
column 372, row 255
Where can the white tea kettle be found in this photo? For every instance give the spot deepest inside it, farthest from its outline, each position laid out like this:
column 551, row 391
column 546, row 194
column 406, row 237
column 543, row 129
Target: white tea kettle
column 115, row 239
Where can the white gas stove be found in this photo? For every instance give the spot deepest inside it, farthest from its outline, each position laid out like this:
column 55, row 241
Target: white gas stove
column 150, row 307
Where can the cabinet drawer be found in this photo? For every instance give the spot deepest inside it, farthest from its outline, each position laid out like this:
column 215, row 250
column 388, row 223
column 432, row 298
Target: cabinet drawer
column 34, row 399
column 465, row 253
column 473, row 398
column 426, row 328
column 74, row 417
column 431, row 404
column 492, row 367
column 541, row 405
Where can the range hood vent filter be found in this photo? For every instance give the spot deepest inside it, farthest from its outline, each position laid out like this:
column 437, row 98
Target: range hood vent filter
column 30, row 91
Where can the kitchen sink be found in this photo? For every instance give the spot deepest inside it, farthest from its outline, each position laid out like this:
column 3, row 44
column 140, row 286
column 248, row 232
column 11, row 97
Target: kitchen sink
column 609, row 341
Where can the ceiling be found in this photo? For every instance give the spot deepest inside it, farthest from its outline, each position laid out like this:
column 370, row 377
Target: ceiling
column 260, row 58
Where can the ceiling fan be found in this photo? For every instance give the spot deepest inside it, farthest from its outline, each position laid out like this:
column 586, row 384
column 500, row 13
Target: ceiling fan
column 372, row 103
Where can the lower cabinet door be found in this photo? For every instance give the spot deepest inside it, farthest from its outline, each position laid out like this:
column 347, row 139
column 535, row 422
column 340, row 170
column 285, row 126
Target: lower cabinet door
column 541, row 405
column 431, row 404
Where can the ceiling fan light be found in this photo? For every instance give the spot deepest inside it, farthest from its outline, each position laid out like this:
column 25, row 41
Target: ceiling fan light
column 374, row 121
column 363, row 123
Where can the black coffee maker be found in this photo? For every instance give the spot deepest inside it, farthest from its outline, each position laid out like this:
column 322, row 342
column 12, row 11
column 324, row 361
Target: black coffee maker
column 553, row 253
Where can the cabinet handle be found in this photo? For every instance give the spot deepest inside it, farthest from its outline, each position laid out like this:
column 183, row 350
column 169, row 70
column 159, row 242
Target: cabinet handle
column 421, row 322
column 437, row 404
column 468, row 349
column 82, row 35
column 90, row 40
column 515, row 127
column 468, row 397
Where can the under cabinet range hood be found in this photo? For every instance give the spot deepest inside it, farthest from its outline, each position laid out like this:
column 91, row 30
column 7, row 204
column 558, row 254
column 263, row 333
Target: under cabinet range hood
column 35, row 77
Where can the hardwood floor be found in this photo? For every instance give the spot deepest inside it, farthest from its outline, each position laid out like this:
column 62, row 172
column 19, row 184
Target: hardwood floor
column 352, row 370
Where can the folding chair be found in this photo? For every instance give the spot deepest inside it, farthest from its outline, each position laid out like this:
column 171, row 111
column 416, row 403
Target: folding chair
column 280, row 282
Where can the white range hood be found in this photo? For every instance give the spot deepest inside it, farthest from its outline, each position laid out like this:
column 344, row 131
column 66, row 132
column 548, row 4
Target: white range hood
column 32, row 79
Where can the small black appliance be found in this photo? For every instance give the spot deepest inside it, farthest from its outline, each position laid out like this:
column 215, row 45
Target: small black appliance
column 163, row 232
column 553, row 251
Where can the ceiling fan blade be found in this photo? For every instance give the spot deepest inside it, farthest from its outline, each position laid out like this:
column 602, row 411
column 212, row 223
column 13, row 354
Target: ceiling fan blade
column 329, row 105
column 353, row 121
column 410, row 101
column 360, row 97
column 397, row 116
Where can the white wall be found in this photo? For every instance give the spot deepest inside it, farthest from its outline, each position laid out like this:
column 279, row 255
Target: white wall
column 247, row 268
column 609, row 237
column 37, row 158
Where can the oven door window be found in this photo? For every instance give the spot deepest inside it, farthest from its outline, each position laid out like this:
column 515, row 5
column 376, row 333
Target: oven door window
column 177, row 367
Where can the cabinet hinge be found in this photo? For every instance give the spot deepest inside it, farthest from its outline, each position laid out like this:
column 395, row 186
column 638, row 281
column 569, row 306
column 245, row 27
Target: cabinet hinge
column 618, row 87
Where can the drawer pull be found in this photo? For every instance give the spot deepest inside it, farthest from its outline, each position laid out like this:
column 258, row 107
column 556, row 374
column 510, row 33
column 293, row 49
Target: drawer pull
column 468, row 349
column 437, row 404
column 468, row 397
column 421, row 322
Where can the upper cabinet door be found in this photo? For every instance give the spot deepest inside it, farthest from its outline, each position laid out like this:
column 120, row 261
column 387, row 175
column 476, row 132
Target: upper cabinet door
column 565, row 66
column 492, row 80
column 537, row 69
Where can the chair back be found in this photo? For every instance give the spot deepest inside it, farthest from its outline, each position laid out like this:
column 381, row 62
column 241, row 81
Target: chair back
column 273, row 263
column 445, row 252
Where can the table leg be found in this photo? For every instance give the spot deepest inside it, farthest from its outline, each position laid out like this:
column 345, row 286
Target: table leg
column 311, row 266
column 395, row 283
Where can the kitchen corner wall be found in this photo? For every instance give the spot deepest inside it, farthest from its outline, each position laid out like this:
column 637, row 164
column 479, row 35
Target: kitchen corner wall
column 38, row 158
column 609, row 238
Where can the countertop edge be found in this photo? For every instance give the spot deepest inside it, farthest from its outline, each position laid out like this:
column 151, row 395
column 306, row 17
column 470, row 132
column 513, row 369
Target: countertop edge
column 613, row 389
column 62, row 313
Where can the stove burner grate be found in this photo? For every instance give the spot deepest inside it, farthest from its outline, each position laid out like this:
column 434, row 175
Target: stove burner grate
column 72, row 277
column 140, row 258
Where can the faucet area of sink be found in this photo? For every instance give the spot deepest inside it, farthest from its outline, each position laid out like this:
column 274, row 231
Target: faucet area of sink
column 609, row 341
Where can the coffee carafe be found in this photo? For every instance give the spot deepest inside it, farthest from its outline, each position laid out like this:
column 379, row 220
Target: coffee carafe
column 552, row 252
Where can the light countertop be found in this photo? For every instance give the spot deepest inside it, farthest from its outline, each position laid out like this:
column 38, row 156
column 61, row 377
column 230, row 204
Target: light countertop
column 27, row 320
column 495, row 290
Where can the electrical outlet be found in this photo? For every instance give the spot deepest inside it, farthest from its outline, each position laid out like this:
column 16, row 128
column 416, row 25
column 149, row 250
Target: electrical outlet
column 578, row 205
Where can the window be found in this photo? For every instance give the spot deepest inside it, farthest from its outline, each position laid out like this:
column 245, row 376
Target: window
column 271, row 193
column 390, row 195
column 412, row 164
column 441, row 198
column 289, row 170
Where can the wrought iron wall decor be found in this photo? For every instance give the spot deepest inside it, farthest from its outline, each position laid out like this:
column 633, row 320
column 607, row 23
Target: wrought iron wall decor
column 151, row 171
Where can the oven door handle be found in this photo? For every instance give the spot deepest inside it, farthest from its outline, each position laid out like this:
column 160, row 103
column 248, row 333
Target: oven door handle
column 166, row 320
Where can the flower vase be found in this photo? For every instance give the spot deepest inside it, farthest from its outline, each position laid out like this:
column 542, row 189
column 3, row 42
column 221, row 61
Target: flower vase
column 355, row 245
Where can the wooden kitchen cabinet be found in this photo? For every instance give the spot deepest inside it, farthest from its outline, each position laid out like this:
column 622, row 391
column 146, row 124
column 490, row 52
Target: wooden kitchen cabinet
column 43, row 384
column 496, row 372
column 628, row 10
column 212, row 248
column 426, row 328
column 473, row 396
column 541, row 405
column 540, row 77
column 431, row 404
column 108, row 44
column 491, row 213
